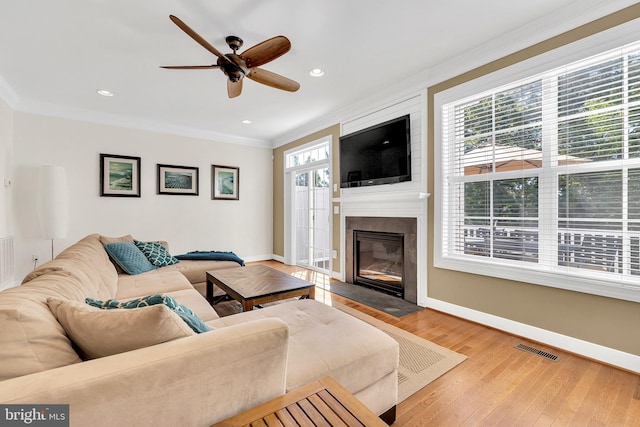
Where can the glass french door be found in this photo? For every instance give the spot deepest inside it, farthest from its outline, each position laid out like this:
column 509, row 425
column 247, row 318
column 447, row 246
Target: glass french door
column 312, row 205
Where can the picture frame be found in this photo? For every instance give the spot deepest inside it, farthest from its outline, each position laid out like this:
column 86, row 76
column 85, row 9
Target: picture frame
column 179, row 180
column 119, row 176
column 225, row 183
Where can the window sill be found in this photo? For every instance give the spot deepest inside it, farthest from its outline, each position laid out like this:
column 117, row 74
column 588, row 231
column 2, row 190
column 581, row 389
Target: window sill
column 571, row 279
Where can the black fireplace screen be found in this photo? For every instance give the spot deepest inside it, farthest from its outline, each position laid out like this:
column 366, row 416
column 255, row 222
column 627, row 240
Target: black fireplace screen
column 379, row 261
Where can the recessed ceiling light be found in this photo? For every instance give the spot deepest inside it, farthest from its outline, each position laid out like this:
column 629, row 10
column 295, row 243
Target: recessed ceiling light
column 316, row 72
column 104, row 92
column 246, row 122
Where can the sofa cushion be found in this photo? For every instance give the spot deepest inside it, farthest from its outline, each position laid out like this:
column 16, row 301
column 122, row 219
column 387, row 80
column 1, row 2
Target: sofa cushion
column 106, row 239
column 326, row 341
column 90, row 245
column 31, row 340
column 129, row 257
column 156, row 253
column 196, row 271
column 196, row 303
column 100, row 333
column 160, row 281
column 189, row 317
column 46, row 268
column 87, row 264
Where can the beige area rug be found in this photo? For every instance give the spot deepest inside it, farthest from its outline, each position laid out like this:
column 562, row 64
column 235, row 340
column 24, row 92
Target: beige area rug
column 421, row 361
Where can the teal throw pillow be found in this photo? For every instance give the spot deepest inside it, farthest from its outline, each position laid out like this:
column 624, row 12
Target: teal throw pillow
column 128, row 257
column 189, row 317
column 156, row 253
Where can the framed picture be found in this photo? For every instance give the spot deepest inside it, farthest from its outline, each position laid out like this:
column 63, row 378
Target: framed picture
column 178, row 180
column 226, row 183
column 119, row 176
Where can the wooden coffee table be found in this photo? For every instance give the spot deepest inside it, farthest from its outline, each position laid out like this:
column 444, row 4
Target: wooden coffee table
column 322, row 403
column 257, row 284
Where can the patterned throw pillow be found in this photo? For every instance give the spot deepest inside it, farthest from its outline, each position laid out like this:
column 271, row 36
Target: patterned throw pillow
column 128, row 257
column 156, row 253
column 184, row 312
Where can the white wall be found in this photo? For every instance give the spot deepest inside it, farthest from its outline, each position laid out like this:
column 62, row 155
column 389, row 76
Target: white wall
column 6, row 155
column 187, row 222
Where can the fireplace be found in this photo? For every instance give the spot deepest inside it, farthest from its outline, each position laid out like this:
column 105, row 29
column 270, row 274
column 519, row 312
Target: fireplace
column 379, row 261
column 399, row 274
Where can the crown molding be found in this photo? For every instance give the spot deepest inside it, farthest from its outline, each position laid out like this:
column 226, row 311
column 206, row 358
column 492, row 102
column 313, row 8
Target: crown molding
column 65, row 112
column 8, row 95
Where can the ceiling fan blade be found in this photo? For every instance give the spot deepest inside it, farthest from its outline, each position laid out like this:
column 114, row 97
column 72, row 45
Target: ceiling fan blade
column 234, row 88
column 266, row 51
column 272, row 79
column 197, row 37
column 189, row 67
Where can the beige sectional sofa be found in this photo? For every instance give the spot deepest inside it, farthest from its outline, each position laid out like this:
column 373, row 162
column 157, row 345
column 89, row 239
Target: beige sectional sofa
column 186, row 379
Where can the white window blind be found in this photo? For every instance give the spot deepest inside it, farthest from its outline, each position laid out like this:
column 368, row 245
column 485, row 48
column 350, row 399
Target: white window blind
column 543, row 174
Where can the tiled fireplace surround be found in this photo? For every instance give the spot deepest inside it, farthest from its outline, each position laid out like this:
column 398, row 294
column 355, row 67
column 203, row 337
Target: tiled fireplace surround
column 405, row 226
column 398, row 213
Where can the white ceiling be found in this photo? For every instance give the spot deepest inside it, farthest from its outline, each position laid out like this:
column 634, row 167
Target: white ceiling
column 54, row 55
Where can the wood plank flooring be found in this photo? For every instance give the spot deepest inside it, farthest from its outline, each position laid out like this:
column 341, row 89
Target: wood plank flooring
column 499, row 385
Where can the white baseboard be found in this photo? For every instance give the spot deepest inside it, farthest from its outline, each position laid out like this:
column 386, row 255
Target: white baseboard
column 255, row 258
column 267, row 257
column 278, row 258
column 610, row 356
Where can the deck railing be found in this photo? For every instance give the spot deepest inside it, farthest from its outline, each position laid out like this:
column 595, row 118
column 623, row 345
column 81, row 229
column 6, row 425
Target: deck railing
column 580, row 248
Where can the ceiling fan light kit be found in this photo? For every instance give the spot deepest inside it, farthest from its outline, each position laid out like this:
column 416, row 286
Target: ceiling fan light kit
column 238, row 66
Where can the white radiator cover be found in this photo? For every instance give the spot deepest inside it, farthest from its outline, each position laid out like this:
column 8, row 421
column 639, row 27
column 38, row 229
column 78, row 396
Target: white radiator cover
column 7, row 262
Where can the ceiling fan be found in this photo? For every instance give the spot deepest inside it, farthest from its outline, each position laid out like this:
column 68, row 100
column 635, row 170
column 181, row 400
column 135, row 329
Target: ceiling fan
column 237, row 66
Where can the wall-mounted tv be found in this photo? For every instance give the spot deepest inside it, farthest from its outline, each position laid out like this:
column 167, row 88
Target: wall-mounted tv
column 380, row 154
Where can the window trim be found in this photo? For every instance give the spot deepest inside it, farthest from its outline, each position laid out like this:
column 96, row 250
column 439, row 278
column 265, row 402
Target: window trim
column 318, row 143
column 585, row 281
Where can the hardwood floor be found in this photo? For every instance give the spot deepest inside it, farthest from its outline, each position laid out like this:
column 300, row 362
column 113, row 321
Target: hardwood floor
column 499, row 385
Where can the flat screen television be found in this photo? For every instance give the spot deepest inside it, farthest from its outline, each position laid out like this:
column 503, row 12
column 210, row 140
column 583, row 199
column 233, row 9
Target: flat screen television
column 380, row 154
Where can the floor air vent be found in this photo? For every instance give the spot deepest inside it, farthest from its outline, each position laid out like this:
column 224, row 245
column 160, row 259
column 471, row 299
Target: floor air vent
column 536, row 351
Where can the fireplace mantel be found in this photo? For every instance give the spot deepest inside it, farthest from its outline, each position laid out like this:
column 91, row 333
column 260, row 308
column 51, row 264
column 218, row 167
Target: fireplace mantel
column 401, row 204
column 386, row 195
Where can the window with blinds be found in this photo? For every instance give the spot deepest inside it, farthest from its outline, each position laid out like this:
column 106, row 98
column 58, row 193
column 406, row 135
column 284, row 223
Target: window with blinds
column 544, row 173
